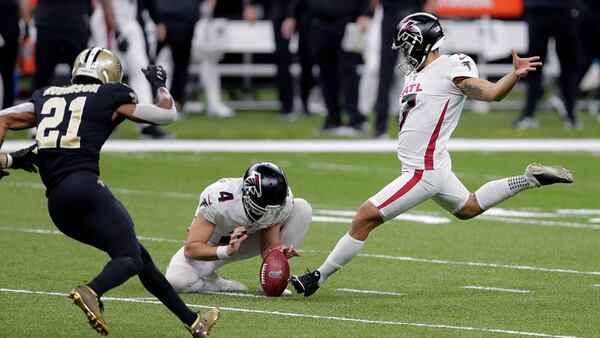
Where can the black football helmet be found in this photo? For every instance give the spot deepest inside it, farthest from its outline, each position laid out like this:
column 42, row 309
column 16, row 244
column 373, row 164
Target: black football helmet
column 417, row 35
column 264, row 191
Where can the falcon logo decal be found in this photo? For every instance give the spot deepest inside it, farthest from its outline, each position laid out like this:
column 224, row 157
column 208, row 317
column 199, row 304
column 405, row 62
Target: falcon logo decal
column 252, row 185
column 410, row 30
column 467, row 64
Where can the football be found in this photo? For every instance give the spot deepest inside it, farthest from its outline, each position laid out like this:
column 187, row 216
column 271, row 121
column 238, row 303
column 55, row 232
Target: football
column 274, row 273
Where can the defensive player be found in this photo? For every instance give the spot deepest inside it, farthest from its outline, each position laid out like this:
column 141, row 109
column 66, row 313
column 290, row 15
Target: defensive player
column 239, row 218
column 436, row 87
column 73, row 122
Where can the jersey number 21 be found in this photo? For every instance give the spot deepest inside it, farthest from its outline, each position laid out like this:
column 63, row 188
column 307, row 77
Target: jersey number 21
column 48, row 132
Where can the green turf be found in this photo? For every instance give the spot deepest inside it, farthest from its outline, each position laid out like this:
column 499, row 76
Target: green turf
column 265, row 125
column 560, row 304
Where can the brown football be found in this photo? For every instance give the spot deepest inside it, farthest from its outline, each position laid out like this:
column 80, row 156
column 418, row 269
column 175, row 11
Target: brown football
column 274, row 273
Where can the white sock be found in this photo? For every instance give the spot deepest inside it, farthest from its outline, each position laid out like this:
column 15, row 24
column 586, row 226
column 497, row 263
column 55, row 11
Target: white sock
column 500, row 190
column 345, row 250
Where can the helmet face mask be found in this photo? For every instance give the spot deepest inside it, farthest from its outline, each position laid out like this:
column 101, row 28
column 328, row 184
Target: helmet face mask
column 98, row 63
column 264, row 192
column 416, row 36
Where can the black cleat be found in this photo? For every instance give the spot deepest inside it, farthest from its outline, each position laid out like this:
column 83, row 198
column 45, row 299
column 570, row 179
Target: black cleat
column 307, row 283
column 154, row 132
column 84, row 297
column 204, row 323
column 541, row 175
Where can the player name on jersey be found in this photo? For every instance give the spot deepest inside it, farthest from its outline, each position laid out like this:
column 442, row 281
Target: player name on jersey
column 74, row 89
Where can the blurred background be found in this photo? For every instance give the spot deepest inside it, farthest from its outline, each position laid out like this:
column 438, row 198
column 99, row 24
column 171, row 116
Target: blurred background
column 271, row 69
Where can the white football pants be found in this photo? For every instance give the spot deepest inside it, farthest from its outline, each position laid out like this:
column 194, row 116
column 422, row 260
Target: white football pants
column 184, row 273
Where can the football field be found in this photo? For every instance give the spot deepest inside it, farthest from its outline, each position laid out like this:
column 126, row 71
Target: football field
column 530, row 267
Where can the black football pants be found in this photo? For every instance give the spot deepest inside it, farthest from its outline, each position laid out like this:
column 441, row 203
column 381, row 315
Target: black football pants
column 83, row 208
column 564, row 27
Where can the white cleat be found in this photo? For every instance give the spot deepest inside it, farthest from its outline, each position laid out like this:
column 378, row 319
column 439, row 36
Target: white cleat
column 540, row 175
column 215, row 283
column 287, row 292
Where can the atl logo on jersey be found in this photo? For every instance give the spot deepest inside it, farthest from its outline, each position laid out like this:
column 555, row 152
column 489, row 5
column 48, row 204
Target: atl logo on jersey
column 413, row 88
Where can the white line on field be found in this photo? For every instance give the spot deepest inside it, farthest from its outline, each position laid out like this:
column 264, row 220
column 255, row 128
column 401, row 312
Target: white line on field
column 479, row 264
column 489, row 288
column 372, row 292
column 596, row 285
column 541, row 222
column 332, row 146
column 584, row 212
column 398, row 258
column 311, row 316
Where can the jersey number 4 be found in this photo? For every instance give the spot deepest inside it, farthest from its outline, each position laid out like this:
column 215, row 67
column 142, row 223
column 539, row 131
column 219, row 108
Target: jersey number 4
column 48, row 132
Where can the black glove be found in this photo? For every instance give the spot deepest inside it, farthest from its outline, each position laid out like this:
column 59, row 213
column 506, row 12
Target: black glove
column 3, row 173
column 25, row 159
column 156, row 75
column 122, row 43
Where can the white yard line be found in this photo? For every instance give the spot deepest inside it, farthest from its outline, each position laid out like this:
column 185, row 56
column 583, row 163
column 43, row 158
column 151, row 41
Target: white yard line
column 541, row 222
column 338, row 146
column 312, row 316
column 398, row 258
column 579, row 212
column 489, row 288
column 596, row 285
column 375, row 292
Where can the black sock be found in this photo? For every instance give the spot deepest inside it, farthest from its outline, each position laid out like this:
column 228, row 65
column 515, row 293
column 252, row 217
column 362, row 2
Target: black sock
column 115, row 272
column 154, row 281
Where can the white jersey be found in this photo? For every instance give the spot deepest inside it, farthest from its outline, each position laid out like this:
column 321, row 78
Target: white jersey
column 124, row 10
column 430, row 108
column 221, row 204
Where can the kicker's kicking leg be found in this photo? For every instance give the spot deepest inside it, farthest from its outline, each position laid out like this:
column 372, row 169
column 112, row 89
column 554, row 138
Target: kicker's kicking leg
column 495, row 192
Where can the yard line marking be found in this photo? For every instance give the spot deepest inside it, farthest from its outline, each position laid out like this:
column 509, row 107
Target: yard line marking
column 489, row 288
column 478, row 264
column 573, row 225
column 398, row 258
column 582, row 212
column 519, row 213
column 372, row 292
column 427, row 219
column 332, row 146
column 311, row 316
column 596, row 285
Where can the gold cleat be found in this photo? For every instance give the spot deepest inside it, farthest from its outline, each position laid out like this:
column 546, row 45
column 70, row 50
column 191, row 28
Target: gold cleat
column 84, row 297
column 203, row 324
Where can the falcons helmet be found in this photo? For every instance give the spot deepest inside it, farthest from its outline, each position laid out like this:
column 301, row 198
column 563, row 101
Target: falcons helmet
column 264, row 191
column 417, row 35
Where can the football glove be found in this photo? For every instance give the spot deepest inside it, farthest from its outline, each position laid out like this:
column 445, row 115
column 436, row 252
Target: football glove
column 122, row 43
column 25, row 159
column 156, row 75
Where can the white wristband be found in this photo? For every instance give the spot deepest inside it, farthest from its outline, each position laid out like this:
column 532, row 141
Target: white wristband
column 9, row 161
column 222, row 252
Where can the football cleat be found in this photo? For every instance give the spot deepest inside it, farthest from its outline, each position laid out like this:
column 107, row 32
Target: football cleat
column 84, row 297
column 214, row 282
column 307, row 283
column 204, row 323
column 540, row 175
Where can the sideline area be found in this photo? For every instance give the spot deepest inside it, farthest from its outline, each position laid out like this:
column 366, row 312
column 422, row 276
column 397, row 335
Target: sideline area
column 333, row 146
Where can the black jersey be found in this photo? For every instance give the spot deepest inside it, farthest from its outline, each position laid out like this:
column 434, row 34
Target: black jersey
column 73, row 123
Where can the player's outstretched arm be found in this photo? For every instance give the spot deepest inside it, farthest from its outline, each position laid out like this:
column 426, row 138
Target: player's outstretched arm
column 163, row 111
column 200, row 232
column 18, row 117
column 483, row 90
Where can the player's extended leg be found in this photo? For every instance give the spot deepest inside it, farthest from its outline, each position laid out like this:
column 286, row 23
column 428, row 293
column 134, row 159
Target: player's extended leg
column 494, row 192
column 154, row 281
column 402, row 194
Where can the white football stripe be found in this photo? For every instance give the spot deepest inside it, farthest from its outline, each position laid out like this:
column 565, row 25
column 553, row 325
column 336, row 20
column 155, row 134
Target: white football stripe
column 372, row 292
column 489, row 288
column 311, row 316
